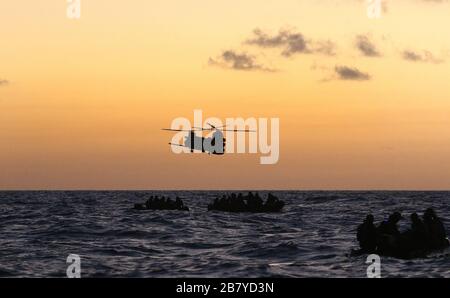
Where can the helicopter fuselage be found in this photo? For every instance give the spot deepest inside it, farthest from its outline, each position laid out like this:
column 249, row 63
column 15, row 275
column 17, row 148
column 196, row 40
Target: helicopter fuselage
column 212, row 145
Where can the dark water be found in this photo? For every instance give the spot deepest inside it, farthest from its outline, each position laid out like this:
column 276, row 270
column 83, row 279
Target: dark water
column 311, row 238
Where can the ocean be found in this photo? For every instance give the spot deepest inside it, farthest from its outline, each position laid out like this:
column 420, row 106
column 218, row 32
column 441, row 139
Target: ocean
column 312, row 237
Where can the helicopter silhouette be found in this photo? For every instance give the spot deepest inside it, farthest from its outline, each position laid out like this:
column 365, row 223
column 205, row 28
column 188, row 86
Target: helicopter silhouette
column 211, row 145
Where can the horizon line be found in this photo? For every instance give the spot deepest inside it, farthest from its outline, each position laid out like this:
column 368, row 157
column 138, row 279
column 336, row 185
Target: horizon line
column 237, row 190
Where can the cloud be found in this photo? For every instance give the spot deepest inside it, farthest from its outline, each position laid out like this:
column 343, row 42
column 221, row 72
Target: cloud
column 412, row 56
column 291, row 43
column 425, row 56
column 238, row 61
column 4, row 82
column 265, row 41
column 366, row 46
column 325, row 47
column 351, row 74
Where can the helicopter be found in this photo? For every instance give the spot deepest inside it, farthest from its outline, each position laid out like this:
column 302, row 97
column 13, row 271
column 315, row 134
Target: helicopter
column 211, row 145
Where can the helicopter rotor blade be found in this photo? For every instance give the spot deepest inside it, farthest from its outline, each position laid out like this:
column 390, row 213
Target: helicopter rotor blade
column 239, row 130
column 202, row 128
column 216, row 127
column 172, row 144
column 209, row 128
column 170, row 129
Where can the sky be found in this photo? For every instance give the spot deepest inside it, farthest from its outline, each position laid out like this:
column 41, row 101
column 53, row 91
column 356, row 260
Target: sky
column 363, row 103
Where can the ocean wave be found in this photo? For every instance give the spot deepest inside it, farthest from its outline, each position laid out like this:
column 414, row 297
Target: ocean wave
column 312, row 237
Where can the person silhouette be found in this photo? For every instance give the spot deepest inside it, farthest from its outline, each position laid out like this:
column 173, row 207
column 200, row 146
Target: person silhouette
column 419, row 232
column 388, row 240
column 390, row 227
column 367, row 235
column 178, row 203
column 436, row 230
column 258, row 202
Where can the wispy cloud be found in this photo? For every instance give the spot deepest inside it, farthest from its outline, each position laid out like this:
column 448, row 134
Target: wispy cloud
column 238, row 61
column 291, row 43
column 325, row 47
column 424, row 56
column 366, row 46
column 4, row 82
column 351, row 74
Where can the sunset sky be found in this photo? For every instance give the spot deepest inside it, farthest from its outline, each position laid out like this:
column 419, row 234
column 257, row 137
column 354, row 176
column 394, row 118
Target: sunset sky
column 363, row 103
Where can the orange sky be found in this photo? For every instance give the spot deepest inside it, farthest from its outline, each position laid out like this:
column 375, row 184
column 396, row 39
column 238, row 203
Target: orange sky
column 82, row 101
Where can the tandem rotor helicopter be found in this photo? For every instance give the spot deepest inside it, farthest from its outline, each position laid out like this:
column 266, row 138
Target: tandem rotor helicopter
column 211, row 145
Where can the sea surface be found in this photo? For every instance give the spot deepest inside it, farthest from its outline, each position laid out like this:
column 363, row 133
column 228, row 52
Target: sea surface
column 312, row 237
